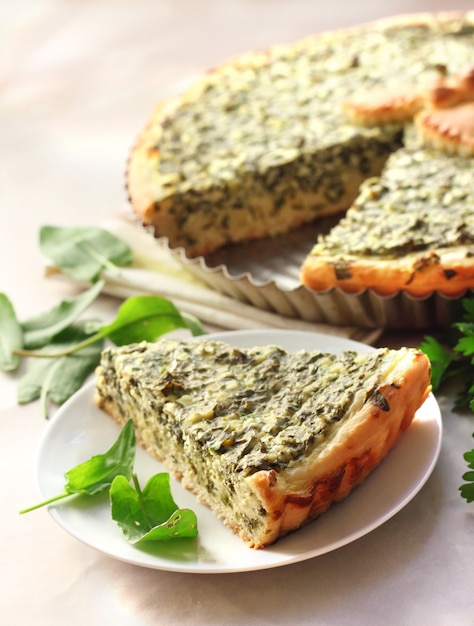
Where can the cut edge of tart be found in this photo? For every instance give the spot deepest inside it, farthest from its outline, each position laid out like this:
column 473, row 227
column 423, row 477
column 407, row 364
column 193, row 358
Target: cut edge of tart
column 266, row 438
column 398, row 103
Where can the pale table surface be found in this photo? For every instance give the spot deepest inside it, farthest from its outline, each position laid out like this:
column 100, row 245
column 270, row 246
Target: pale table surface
column 77, row 82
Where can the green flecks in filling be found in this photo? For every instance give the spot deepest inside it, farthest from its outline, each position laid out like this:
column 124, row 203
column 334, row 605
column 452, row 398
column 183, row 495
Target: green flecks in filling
column 342, row 269
column 253, row 120
column 424, row 199
column 259, row 408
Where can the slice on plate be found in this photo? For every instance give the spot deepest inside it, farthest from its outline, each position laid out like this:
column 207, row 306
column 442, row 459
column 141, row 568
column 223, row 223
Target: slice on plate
column 268, row 439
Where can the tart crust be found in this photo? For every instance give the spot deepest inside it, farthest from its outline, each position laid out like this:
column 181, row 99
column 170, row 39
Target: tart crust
column 449, row 129
column 267, row 439
column 450, row 273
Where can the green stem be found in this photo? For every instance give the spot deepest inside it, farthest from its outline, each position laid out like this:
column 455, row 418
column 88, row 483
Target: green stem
column 53, row 355
column 46, row 502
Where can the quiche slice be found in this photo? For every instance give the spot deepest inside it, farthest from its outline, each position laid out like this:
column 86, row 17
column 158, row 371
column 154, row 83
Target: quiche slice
column 410, row 229
column 272, row 140
column 267, row 438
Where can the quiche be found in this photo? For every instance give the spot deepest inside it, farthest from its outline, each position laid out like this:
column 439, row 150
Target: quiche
column 410, row 229
column 272, row 140
column 267, row 438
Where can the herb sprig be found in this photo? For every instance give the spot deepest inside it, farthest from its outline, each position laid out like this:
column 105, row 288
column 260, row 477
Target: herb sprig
column 150, row 514
column 97, row 474
column 454, row 359
column 62, row 349
column 144, row 515
column 84, row 252
column 467, row 489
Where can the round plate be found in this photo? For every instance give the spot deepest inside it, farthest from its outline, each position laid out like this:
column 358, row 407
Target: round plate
column 80, row 430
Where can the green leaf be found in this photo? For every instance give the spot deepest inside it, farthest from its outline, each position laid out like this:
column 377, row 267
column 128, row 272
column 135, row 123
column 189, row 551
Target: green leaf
column 11, row 335
column 467, row 489
column 72, row 371
column 40, row 330
column 98, row 473
column 140, row 318
column 59, row 378
column 464, row 398
column 145, row 318
column 468, row 306
column 465, row 344
column 193, row 324
column 83, row 252
column 440, row 360
column 151, row 514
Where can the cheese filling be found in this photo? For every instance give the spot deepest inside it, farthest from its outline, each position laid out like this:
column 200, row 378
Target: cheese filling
column 262, row 146
column 217, row 415
column 424, row 199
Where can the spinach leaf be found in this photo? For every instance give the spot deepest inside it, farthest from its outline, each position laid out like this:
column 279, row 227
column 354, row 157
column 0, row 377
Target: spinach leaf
column 150, row 514
column 11, row 335
column 83, row 252
column 40, row 330
column 57, row 379
column 193, row 324
column 139, row 318
column 72, row 371
column 60, row 370
column 144, row 318
column 98, row 473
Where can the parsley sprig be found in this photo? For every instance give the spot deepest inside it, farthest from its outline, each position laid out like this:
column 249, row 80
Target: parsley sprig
column 467, row 489
column 453, row 359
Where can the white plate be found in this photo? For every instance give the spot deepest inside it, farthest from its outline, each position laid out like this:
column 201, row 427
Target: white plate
column 79, row 430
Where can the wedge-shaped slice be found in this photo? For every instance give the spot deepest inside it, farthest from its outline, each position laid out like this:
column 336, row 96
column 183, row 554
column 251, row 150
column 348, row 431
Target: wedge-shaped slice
column 266, row 438
column 411, row 229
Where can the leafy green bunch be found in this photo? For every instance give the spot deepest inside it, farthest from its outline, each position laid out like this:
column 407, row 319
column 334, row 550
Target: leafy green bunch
column 64, row 349
column 452, row 358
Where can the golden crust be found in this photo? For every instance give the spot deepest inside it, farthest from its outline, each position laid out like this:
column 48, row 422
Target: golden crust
column 143, row 165
column 294, row 495
column 447, row 92
column 450, row 129
column 377, row 107
column 359, row 448
column 449, row 271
